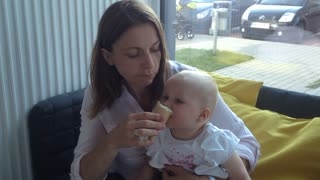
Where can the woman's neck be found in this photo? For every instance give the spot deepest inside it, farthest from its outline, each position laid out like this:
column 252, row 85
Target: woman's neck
column 143, row 96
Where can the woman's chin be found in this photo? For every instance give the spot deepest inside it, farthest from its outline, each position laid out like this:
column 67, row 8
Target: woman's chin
column 147, row 82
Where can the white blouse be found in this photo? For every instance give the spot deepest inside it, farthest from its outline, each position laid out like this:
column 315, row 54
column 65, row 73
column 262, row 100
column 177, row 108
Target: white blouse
column 202, row 155
column 129, row 160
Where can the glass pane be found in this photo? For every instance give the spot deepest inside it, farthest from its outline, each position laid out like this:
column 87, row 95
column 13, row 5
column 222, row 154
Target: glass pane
column 280, row 40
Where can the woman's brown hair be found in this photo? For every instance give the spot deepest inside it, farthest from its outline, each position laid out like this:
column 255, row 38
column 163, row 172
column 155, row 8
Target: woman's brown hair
column 106, row 82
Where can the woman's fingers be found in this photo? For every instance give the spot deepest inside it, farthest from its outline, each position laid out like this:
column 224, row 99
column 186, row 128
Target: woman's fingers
column 145, row 142
column 169, row 175
column 146, row 120
column 145, row 115
column 147, row 124
column 146, row 132
column 138, row 130
column 178, row 173
column 174, row 170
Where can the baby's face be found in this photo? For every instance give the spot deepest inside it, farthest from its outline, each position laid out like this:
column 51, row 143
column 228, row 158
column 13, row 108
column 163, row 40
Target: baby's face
column 184, row 101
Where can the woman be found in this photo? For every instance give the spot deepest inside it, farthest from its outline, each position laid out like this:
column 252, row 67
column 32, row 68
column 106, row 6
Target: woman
column 128, row 69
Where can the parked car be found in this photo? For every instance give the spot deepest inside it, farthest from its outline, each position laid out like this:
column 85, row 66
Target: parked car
column 199, row 13
column 285, row 20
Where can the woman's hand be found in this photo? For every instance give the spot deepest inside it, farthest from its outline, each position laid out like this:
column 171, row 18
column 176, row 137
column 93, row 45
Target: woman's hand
column 128, row 133
column 171, row 172
column 146, row 173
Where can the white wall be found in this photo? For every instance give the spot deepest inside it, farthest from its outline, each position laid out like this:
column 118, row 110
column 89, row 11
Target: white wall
column 45, row 49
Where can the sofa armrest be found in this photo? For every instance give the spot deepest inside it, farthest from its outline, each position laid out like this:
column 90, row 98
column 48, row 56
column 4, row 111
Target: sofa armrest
column 290, row 103
column 53, row 126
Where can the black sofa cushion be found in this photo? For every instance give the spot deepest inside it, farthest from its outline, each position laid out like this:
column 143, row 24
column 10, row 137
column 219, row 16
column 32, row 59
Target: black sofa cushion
column 53, row 130
column 290, row 103
column 54, row 126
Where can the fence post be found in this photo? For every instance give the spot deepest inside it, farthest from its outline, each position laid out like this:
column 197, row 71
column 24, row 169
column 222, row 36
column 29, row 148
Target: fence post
column 215, row 17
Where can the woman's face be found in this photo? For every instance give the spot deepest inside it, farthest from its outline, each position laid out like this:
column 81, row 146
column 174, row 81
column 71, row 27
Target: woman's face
column 182, row 99
column 136, row 55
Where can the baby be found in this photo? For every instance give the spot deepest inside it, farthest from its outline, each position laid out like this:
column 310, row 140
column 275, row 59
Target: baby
column 190, row 140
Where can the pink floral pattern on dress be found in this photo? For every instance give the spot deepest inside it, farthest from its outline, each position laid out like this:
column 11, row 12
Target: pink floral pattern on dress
column 178, row 159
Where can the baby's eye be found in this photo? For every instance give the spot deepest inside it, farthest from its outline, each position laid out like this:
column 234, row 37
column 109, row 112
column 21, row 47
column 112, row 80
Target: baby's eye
column 179, row 101
column 164, row 97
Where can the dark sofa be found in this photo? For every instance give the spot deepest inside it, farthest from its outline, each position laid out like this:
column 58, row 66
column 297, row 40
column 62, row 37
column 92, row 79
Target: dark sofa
column 54, row 126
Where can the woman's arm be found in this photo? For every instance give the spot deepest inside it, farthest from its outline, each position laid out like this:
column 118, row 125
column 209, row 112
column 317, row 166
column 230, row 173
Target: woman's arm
column 146, row 173
column 248, row 147
column 95, row 164
column 179, row 173
column 90, row 155
column 96, row 149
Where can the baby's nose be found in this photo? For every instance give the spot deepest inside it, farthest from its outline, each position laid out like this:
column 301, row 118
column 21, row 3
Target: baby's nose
column 167, row 103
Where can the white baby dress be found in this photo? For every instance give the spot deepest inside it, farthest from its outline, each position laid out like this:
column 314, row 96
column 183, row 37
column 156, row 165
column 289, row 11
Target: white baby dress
column 202, row 155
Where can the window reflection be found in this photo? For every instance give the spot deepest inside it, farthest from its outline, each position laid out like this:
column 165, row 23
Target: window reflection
column 284, row 41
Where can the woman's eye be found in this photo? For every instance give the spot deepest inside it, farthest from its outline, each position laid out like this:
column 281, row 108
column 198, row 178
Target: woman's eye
column 155, row 49
column 132, row 55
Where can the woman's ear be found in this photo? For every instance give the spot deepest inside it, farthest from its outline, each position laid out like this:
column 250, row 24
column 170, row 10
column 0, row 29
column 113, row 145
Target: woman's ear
column 205, row 114
column 107, row 56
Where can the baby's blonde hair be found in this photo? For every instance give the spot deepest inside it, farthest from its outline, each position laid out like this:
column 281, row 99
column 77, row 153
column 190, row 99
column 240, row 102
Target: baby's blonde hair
column 204, row 84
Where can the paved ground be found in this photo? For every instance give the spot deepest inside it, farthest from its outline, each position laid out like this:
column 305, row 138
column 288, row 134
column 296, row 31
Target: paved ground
column 280, row 65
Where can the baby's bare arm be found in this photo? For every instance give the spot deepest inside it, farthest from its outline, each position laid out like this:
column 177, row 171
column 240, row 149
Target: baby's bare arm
column 236, row 168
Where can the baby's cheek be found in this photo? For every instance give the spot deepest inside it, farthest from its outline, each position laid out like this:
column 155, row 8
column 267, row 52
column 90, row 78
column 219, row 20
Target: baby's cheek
column 174, row 122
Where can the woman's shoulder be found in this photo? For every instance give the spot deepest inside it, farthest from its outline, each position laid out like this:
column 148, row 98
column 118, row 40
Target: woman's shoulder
column 88, row 97
column 175, row 66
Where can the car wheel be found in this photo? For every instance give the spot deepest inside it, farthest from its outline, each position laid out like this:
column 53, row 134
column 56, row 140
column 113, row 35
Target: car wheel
column 180, row 35
column 245, row 36
column 299, row 33
column 190, row 34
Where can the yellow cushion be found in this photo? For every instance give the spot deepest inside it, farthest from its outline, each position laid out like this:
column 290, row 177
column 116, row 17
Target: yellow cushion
column 244, row 90
column 290, row 147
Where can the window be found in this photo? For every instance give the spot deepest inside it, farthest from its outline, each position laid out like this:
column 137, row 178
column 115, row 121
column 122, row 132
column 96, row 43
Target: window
column 282, row 38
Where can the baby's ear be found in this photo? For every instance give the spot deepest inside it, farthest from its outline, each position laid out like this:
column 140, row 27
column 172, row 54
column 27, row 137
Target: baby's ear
column 205, row 114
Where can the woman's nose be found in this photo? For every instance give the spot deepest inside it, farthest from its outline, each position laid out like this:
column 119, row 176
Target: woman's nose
column 148, row 60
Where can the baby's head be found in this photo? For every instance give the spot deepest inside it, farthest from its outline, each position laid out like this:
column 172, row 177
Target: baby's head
column 191, row 95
